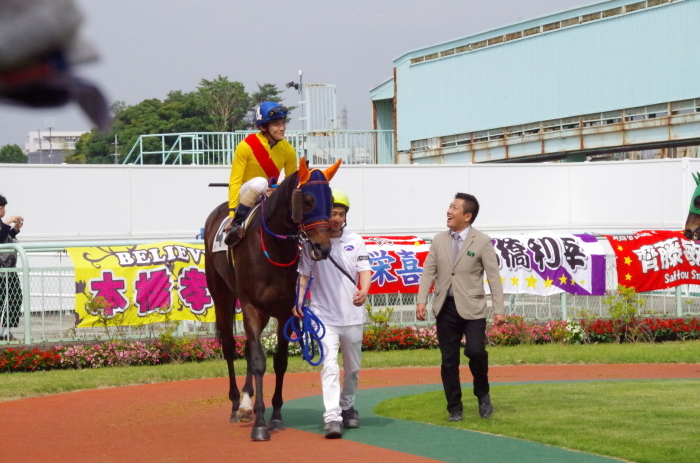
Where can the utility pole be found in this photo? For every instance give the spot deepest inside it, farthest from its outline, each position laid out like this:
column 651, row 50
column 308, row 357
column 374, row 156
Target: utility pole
column 50, row 123
column 41, row 154
column 116, row 153
column 303, row 97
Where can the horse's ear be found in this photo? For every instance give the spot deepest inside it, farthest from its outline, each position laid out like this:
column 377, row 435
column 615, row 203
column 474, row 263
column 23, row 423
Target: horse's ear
column 303, row 172
column 696, row 177
column 330, row 172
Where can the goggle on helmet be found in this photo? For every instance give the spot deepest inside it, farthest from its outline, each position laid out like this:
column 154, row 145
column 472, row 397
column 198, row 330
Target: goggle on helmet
column 268, row 111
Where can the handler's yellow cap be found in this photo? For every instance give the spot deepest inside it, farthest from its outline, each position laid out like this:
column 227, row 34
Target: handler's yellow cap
column 340, row 198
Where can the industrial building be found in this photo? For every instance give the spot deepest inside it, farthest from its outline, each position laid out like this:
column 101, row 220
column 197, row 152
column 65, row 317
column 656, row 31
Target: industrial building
column 613, row 80
column 49, row 146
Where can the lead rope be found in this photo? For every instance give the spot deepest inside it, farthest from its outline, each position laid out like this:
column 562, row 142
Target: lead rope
column 307, row 331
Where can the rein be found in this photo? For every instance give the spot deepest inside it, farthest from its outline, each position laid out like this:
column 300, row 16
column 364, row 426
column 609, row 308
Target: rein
column 308, row 330
column 267, row 255
column 301, row 237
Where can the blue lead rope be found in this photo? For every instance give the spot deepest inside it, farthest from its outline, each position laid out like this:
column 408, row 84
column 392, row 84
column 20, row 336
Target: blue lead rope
column 307, row 331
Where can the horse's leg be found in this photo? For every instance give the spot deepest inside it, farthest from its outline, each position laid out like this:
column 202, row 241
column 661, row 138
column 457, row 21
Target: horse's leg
column 280, row 364
column 228, row 346
column 245, row 412
column 224, row 298
column 254, row 323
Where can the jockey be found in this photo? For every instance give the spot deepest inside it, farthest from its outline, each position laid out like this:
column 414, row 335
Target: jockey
column 258, row 158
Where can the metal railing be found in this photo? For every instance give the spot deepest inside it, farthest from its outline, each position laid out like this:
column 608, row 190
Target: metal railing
column 47, row 313
column 216, row 148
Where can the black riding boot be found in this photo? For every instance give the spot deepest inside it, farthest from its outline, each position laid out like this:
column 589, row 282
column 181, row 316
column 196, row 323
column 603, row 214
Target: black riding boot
column 237, row 231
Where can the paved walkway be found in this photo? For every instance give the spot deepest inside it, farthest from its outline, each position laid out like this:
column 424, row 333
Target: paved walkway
column 188, row 421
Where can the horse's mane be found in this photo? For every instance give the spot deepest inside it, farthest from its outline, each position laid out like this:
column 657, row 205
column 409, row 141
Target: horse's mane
column 284, row 190
column 281, row 196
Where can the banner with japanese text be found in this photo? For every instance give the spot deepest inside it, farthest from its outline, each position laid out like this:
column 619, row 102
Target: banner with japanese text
column 397, row 263
column 550, row 264
column 141, row 284
column 653, row 259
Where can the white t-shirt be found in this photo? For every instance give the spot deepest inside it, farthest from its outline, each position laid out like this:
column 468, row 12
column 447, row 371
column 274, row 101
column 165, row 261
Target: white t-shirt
column 331, row 291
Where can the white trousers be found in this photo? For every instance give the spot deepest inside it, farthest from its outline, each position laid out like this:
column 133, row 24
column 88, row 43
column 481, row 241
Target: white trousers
column 349, row 340
column 258, row 184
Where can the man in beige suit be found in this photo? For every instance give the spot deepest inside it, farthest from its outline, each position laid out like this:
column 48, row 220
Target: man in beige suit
column 456, row 263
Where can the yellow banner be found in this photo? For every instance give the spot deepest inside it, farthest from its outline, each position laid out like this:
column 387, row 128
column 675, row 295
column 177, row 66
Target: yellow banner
column 135, row 285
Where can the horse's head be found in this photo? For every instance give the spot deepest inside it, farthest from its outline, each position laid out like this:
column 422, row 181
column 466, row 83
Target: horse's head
column 692, row 223
column 312, row 202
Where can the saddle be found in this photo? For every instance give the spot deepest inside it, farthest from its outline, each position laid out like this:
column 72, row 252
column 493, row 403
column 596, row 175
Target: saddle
column 218, row 244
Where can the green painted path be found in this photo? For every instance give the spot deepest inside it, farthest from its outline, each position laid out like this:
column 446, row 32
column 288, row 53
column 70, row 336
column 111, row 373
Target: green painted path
column 439, row 443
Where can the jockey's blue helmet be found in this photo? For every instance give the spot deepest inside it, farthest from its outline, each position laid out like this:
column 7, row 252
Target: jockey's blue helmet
column 269, row 111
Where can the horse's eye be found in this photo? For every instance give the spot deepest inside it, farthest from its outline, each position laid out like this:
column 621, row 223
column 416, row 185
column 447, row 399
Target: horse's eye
column 309, row 202
column 696, row 202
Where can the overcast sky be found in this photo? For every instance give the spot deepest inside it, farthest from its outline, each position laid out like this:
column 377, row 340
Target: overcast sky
column 150, row 47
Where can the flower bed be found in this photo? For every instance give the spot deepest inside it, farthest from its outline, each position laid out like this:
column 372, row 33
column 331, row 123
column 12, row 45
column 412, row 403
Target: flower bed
column 405, row 338
column 515, row 331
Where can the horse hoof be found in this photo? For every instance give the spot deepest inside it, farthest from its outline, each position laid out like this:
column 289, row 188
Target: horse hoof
column 244, row 416
column 260, row 433
column 234, row 418
column 275, row 425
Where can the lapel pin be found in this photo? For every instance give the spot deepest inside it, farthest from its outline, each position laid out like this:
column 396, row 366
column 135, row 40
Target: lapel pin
column 470, row 253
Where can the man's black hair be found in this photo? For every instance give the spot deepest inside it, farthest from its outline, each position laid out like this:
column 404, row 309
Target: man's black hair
column 3, row 201
column 470, row 205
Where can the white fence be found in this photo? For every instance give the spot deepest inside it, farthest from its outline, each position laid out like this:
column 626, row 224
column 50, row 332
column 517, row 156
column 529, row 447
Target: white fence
column 115, row 202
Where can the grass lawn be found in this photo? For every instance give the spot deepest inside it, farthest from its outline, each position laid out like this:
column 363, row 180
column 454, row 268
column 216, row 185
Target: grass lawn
column 20, row 385
column 643, row 421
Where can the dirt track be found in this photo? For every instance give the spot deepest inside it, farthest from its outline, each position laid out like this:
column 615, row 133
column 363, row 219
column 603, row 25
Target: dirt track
column 188, row 421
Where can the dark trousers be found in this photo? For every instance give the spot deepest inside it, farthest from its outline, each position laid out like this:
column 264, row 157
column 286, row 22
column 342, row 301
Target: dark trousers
column 450, row 329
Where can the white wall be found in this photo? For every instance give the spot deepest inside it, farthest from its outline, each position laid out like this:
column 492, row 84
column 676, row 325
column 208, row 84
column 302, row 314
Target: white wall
column 62, row 202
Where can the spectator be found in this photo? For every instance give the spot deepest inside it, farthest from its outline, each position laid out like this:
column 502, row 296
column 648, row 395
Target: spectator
column 10, row 288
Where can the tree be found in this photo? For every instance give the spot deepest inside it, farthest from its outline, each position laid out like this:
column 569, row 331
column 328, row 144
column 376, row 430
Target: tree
column 12, row 154
column 266, row 92
column 226, row 103
column 217, row 105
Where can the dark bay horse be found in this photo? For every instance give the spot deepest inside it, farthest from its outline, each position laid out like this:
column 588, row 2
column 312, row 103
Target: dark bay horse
column 692, row 223
column 264, row 280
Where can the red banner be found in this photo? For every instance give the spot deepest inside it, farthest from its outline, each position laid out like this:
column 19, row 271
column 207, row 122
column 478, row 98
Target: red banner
column 397, row 263
column 654, row 259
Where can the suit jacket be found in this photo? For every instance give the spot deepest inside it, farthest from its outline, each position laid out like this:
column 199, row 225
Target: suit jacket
column 476, row 257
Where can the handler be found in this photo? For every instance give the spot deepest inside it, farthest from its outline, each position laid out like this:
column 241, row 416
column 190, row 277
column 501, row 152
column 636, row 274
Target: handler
column 257, row 159
column 458, row 258
column 340, row 306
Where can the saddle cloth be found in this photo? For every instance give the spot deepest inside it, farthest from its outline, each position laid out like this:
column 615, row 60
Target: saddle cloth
column 218, row 243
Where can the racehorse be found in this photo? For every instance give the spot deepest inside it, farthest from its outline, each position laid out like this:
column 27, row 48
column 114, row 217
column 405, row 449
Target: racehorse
column 692, row 223
column 263, row 279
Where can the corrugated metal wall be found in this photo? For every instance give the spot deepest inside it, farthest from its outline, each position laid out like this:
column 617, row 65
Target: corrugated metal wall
column 635, row 59
column 385, row 114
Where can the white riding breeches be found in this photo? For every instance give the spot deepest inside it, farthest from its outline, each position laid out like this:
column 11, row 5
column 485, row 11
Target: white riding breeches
column 259, row 184
column 349, row 340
